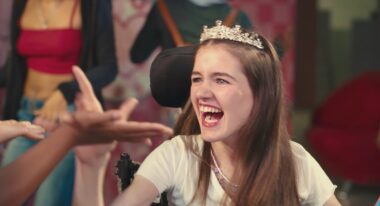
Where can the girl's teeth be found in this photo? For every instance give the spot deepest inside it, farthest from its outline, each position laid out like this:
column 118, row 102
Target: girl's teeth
column 208, row 109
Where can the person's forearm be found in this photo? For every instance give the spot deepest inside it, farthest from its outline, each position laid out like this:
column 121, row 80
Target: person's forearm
column 8, row 132
column 4, row 138
column 89, row 180
column 21, row 178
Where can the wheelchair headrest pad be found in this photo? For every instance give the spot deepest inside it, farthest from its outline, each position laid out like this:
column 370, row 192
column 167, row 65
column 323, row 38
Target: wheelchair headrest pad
column 170, row 76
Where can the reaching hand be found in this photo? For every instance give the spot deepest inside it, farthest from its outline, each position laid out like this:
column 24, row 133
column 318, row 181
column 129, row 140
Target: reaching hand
column 87, row 101
column 11, row 128
column 53, row 107
column 120, row 129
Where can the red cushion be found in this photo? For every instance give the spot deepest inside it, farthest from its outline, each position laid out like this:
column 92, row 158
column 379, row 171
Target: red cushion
column 350, row 154
column 355, row 105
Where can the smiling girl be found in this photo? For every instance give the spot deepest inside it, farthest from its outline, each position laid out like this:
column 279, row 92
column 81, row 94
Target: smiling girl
column 235, row 150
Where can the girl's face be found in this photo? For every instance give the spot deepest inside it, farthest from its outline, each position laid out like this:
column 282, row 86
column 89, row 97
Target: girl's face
column 220, row 94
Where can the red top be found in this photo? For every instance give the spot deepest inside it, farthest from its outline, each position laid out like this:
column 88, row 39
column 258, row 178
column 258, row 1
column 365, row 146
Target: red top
column 51, row 50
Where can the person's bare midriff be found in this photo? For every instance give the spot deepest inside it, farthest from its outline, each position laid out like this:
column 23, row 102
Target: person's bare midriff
column 40, row 85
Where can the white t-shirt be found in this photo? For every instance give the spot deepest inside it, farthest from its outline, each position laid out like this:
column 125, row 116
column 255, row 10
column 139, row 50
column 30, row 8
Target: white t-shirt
column 172, row 168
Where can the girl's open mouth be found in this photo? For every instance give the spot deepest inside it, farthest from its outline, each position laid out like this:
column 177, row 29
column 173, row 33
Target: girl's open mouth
column 210, row 115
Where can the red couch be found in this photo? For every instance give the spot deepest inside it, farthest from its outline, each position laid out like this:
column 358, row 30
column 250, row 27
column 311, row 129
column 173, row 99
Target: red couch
column 345, row 129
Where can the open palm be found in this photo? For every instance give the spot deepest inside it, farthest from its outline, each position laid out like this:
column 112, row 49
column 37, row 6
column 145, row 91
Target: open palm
column 106, row 133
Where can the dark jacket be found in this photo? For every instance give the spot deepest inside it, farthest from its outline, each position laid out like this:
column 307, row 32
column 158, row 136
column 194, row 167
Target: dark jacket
column 98, row 58
column 189, row 19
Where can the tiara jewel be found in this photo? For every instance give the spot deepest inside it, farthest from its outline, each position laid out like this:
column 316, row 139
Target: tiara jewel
column 235, row 34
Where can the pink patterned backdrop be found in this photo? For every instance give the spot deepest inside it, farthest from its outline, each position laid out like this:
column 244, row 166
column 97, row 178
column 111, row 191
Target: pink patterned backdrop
column 275, row 19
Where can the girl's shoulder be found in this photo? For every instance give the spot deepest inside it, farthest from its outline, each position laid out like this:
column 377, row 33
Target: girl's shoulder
column 302, row 158
column 314, row 186
column 298, row 150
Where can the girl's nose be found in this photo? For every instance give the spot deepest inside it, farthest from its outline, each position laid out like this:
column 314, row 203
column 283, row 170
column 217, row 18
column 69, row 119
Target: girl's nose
column 203, row 90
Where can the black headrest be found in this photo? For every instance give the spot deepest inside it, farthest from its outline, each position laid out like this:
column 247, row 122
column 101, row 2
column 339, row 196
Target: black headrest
column 170, row 75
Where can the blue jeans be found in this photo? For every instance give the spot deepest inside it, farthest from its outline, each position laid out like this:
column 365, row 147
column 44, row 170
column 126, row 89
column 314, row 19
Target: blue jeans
column 57, row 188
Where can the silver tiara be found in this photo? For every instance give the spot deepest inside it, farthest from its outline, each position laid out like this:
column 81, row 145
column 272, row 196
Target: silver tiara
column 235, row 34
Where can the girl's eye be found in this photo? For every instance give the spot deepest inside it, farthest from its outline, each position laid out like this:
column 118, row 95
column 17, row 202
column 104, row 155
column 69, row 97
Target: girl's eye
column 221, row 81
column 195, row 79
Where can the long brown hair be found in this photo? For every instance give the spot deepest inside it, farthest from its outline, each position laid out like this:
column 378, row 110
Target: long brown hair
column 265, row 170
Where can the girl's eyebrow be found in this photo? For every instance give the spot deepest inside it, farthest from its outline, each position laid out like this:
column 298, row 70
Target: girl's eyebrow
column 222, row 74
column 216, row 74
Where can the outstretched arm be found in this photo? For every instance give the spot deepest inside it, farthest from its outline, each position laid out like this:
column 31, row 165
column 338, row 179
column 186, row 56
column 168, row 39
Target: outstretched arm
column 20, row 178
column 12, row 128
